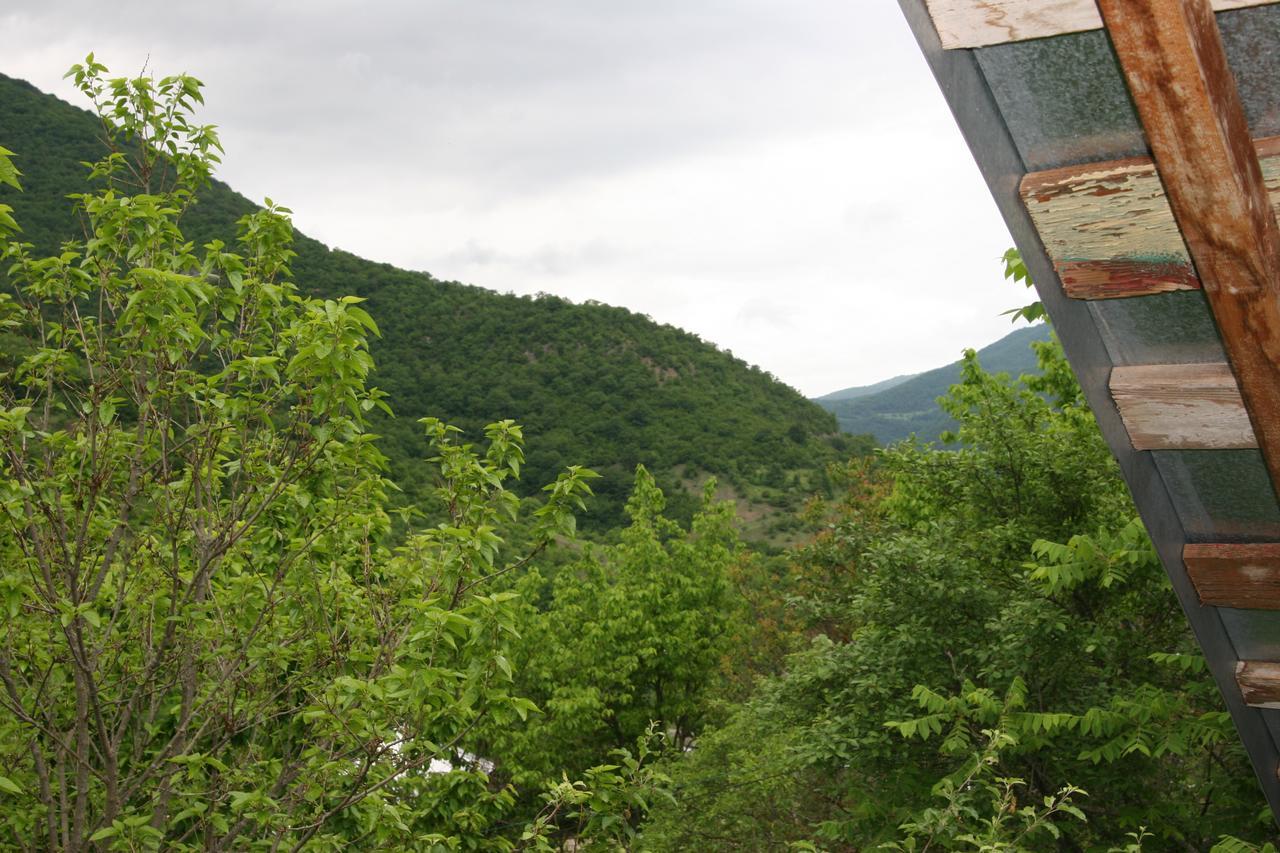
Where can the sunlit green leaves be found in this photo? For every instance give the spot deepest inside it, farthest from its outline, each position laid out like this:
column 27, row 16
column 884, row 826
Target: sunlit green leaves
column 8, row 172
column 198, row 575
column 1015, row 270
column 9, row 176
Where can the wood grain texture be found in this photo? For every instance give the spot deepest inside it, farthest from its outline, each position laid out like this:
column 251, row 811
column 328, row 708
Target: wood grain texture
column 1173, row 60
column 1259, row 682
column 1110, row 231
column 1181, row 407
column 1246, row 576
column 977, row 23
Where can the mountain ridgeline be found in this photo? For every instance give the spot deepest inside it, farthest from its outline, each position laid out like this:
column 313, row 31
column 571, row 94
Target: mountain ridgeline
column 592, row 384
column 907, row 405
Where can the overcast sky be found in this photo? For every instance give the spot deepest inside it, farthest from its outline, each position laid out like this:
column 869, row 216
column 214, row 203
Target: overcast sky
column 782, row 178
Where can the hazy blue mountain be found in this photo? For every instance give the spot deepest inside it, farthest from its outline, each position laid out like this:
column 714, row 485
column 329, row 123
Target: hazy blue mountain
column 898, row 407
column 865, row 390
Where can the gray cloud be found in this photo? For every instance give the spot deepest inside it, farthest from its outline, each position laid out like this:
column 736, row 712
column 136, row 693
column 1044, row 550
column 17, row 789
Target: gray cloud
column 772, row 176
column 519, row 94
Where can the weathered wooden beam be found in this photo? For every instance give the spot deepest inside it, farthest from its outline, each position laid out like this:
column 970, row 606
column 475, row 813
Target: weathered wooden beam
column 1259, row 682
column 977, row 23
column 1246, row 576
column 1110, row 231
column 1173, row 61
column 1181, row 407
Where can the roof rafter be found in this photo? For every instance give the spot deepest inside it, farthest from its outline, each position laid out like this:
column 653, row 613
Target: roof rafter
column 1173, row 60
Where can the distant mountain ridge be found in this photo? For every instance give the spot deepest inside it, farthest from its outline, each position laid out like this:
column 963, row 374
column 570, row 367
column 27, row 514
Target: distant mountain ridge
column 897, row 408
column 865, row 390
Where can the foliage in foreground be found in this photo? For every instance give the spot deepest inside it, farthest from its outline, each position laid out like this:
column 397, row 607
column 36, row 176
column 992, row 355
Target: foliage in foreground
column 993, row 637
column 207, row 643
column 627, row 637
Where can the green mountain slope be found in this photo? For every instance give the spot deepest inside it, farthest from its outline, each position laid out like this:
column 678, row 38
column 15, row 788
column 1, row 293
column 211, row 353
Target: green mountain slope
column 592, row 384
column 910, row 407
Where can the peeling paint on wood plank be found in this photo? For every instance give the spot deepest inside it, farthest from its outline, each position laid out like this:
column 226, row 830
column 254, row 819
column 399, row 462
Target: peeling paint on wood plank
column 1245, row 576
column 1259, row 682
column 1181, row 407
column 978, row 23
column 1110, row 231
column 1117, row 278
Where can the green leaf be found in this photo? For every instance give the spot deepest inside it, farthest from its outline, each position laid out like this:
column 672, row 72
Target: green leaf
column 8, row 172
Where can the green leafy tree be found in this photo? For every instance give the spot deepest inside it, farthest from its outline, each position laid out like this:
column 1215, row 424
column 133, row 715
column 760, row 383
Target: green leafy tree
column 990, row 632
column 982, row 812
column 629, row 635
column 208, row 643
column 603, row 810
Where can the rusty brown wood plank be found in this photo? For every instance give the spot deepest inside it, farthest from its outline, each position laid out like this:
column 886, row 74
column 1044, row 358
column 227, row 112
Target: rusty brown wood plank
column 1173, row 61
column 977, row 23
column 1125, row 277
column 1246, row 576
column 1259, row 682
column 1181, row 407
column 1109, row 230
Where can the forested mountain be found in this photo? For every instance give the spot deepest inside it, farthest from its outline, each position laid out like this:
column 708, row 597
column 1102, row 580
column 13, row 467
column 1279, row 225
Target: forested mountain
column 909, row 405
column 592, row 384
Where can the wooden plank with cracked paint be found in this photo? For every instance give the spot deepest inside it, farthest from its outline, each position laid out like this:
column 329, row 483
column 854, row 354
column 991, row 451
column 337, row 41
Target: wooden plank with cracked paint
column 1109, row 230
column 1259, row 682
column 1181, row 407
column 1244, row 576
column 979, row 23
